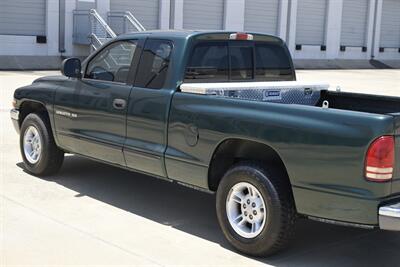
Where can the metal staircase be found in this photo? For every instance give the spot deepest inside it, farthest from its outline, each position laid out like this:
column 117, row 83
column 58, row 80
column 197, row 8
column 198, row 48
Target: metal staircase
column 91, row 29
column 123, row 22
column 100, row 31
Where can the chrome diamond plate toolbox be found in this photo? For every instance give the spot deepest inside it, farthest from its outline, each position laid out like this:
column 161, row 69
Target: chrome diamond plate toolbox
column 278, row 92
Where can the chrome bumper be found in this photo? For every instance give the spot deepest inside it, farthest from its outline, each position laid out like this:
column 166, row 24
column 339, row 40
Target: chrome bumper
column 14, row 114
column 389, row 217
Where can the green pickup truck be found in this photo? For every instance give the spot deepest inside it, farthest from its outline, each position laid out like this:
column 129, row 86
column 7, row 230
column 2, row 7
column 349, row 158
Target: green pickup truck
column 222, row 112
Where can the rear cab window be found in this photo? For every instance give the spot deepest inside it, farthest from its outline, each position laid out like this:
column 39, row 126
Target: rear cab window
column 272, row 63
column 233, row 61
column 209, row 61
column 242, row 63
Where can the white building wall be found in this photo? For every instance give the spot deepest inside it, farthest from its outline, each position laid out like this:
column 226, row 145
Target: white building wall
column 70, row 48
column 103, row 7
column 354, row 23
column 390, row 24
column 232, row 17
column 357, row 52
column 146, row 11
column 377, row 53
column 283, row 19
column 300, row 47
column 261, row 16
column 24, row 17
column 204, row 15
column 14, row 45
column 165, row 11
column 177, row 20
column 333, row 36
column 24, row 45
column 291, row 27
column 311, row 22
column 333, row 28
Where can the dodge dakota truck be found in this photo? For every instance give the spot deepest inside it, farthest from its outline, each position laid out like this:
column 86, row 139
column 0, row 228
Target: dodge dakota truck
column 222, row 112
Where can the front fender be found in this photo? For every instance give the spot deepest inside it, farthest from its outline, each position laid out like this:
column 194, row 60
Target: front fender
column 42, row 92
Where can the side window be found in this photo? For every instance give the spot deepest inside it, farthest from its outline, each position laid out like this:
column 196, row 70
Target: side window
column 272, row 63
column 112, row 63
column 153, row 66
column 208, row 63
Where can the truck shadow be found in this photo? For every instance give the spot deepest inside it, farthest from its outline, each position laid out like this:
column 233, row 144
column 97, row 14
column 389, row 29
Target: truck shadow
column 193, row 212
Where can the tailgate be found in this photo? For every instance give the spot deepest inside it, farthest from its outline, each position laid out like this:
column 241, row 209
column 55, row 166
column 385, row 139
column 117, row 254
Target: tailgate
column 396, row 175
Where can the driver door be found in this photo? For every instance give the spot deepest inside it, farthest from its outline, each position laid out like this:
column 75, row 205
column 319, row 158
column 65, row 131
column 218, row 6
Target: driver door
column 97, row 105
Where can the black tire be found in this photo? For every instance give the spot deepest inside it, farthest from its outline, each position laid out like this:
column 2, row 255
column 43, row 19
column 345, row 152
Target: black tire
column 51, row 157
column 275, row 189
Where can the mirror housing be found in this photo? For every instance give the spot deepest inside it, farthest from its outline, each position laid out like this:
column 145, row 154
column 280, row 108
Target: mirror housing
column 71, row 67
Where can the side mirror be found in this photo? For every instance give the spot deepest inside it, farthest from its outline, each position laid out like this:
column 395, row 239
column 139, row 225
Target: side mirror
column 71, row 67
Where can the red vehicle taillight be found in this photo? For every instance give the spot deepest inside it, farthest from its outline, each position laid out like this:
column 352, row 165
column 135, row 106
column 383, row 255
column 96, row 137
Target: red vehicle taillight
column 379, row 162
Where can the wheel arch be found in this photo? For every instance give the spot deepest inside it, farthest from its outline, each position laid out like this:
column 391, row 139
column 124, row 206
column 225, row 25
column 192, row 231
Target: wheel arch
column 233, row 150
column 31, row 106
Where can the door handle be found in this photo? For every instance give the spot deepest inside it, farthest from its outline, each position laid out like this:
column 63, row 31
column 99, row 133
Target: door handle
column 119, row 103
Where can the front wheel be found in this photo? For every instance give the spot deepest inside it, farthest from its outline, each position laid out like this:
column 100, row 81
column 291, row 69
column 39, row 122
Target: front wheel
column 40, row 153
column 255, row 208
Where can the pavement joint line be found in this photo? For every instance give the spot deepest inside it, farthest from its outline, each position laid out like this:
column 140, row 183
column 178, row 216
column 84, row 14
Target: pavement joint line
column 81, row 231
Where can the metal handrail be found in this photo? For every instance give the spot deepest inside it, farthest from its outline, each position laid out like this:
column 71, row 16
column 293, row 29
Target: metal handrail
column 96, row 39
column 100, row 31
column 97, row 18
column 95, row 42
column 99, row 43
column 127, row 17
column 134, row 21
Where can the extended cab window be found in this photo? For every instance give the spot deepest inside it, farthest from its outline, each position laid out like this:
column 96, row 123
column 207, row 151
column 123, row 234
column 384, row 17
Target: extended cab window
column 153, row 66
column 112, row 63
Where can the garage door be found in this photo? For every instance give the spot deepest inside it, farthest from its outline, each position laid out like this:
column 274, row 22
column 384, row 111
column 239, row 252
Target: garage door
column 146, row 11
column 261, row 16
column 205, row 14
column 23, row 17
column 310, row 26
column 390, row 28
column 354, row 22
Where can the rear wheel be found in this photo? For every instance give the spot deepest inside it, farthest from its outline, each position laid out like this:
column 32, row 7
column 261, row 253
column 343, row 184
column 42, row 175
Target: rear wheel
column 255, row 209
column 40, row 153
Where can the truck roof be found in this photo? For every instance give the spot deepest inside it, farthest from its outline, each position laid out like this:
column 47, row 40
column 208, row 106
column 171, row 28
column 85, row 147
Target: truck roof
column 185, row 34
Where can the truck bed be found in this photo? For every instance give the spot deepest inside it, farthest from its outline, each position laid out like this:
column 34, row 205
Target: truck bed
column 361, row 102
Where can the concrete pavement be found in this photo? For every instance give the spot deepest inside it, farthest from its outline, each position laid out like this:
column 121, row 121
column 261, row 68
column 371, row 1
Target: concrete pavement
column 381, row 82
column 94, row 214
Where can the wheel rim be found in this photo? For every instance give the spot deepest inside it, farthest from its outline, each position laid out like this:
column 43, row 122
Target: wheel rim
column 246, row 210
column 32, row 145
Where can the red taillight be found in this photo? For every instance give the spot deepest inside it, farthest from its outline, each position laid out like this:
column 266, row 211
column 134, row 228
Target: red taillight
column 379, row 161
column 241, row 36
